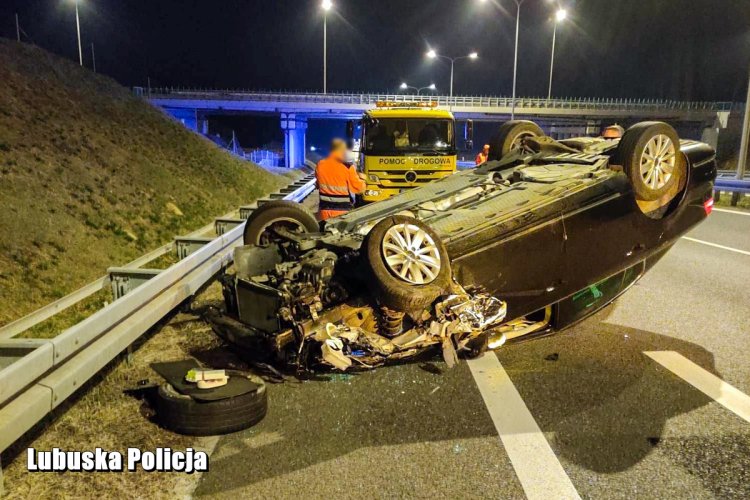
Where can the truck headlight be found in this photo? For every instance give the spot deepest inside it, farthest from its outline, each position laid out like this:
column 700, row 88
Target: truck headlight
column 372, row 192
column 373, row 178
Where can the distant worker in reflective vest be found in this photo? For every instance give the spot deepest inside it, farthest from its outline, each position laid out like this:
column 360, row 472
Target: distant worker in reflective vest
column 483, row 155
column 337, row 182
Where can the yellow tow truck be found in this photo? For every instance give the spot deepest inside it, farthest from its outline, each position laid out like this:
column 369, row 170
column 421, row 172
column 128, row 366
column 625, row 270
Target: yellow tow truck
column 402, row 146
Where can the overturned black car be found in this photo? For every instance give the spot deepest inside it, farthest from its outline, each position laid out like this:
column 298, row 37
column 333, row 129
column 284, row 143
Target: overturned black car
column 541, row 236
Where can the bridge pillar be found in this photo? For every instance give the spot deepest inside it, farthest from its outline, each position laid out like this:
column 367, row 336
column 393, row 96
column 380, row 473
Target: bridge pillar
column 188, row 117
column 295, row 128
column 710, row 134
column 202, row 123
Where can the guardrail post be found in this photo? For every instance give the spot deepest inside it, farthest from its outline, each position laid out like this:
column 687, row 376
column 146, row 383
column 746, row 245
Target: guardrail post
column 222, row 224
column 125, row 280
column 185, row 245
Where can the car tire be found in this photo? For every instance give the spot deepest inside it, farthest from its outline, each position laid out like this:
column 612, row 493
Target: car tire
column 643, row 141
column 183, row 414
column 506, row 138
column 285, row 212
column 399, row 293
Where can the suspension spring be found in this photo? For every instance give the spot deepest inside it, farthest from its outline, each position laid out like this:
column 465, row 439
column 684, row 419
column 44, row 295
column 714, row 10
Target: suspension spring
column 393, row 321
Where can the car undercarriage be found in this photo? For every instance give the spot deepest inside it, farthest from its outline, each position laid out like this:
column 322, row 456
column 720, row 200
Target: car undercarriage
column 465, row 262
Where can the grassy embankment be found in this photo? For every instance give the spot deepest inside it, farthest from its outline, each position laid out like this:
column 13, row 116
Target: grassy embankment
column 91, row 177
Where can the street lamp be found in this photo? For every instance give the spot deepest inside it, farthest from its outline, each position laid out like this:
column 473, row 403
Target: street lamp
column 431, row 54
column 78, row 29
column 515, row 60
column 515, row 56
column 560, row 16
column 326, row 6
column 431, row 86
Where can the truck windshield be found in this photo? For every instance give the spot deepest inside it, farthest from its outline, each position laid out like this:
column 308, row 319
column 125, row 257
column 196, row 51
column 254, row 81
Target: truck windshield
column 394, row 136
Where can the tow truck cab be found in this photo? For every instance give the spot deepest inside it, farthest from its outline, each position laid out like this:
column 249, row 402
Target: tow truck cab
column 404, row 145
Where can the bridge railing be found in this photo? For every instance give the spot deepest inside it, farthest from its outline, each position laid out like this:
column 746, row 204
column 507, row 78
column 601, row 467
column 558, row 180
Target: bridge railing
column 455, row 101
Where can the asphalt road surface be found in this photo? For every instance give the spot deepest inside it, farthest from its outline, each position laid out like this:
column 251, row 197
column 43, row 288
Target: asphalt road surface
column 647, row 399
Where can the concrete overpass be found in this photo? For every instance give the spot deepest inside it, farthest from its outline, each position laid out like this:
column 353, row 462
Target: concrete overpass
column 560, row 117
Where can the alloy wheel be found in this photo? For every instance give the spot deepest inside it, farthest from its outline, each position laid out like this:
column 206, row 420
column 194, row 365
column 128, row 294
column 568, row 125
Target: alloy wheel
column 411, row 254
column 658, row 161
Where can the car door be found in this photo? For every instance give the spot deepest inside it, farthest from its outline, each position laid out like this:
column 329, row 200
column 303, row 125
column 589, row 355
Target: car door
column 524, row 268
column 602, row 236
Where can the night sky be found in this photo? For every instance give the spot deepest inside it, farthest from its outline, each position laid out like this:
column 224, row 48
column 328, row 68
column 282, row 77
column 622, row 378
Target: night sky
column 677, row 49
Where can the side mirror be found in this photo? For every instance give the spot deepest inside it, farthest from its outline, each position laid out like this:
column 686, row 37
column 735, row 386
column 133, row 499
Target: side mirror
column 469, row 135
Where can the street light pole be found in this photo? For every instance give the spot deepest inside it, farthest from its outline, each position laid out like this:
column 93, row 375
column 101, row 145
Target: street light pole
column 559, row 16
column 515, row 59
column 453, row 61
column 742, row 159
column 18, row 29
column 419, row 90
column 432, row 55
column 326, row 6
column 93, row 56
column 552, row 62
column 78, row 29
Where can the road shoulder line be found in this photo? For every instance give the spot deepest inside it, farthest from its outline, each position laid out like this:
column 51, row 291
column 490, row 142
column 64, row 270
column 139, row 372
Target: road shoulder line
column 709, row 384
column 725, row 211
column 538, row 469
column 716, row 245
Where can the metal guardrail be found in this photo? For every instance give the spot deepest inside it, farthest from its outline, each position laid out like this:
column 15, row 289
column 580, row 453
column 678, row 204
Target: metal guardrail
column 732, row 185
column 44, row 372
column 34, row 318
column 456, row 101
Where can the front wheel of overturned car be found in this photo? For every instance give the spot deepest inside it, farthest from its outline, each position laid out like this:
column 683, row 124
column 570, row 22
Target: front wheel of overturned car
column 650, row 156
column 510, row 136
column 409, row 264
column 259, row 228
column 185, row 415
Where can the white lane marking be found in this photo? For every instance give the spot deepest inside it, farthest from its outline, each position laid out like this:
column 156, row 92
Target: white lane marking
column 536, row 465
column 190, row 484
column 736, row 212
column 716, row 245
column 725, row 394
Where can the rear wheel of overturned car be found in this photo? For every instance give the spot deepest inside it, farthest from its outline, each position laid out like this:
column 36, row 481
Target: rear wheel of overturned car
column 650, row 156
column 409, row 264
column 259, row 228
column 510, row 136
column 185, row 415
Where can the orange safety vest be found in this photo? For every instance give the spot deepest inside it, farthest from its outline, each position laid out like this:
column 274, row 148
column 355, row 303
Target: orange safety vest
column 337, row 182
column 481, row 158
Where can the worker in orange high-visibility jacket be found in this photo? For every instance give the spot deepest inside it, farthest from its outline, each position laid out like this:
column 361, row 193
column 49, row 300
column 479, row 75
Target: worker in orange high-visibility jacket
column 337, row 182
column 483, row 155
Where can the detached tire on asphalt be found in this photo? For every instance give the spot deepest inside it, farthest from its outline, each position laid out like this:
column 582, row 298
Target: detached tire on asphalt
column 428, row 275
column 509, row 135
column 650, row 156
column 287, row 214
column 183, row 414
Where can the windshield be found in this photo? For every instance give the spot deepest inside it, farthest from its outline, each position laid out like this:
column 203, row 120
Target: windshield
column 412, row 135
